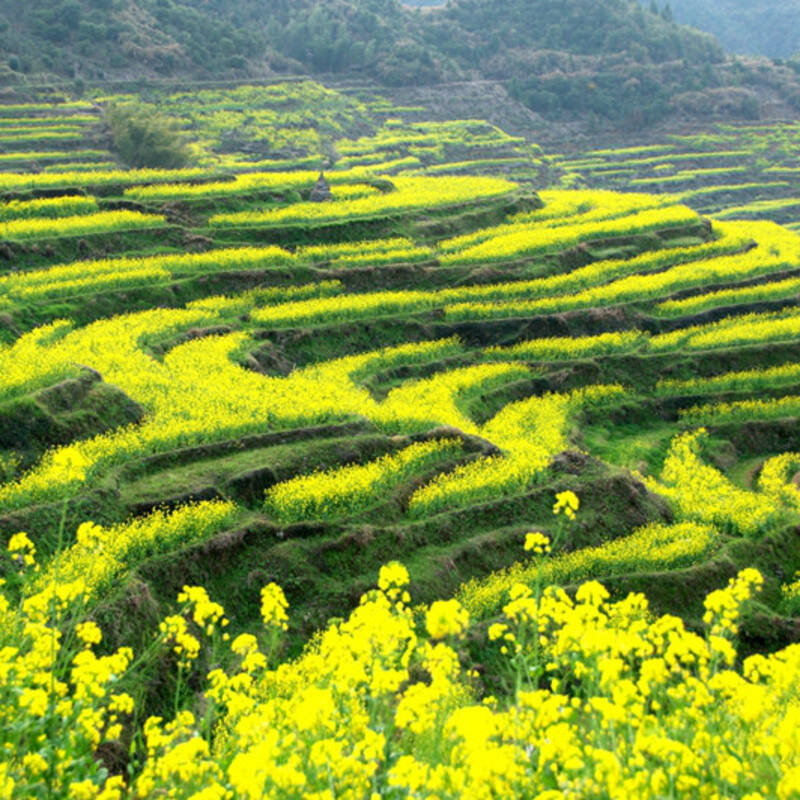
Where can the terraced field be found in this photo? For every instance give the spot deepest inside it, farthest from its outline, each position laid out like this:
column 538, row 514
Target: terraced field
column 208, row 380
column 744, row 171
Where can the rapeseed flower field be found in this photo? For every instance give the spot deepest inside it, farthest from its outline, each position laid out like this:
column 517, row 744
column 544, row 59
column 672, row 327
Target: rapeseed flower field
column 453, row 483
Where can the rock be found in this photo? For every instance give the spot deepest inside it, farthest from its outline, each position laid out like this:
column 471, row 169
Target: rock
column 321, row 192
column 572, row 462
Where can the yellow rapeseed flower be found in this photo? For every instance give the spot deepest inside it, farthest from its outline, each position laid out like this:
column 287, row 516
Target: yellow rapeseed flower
column 22, row 550
column 537, row 543
column 567, row 502
column 446, row 618
column 273, row 607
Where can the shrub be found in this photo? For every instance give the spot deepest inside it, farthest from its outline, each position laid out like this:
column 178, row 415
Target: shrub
column 142, row 137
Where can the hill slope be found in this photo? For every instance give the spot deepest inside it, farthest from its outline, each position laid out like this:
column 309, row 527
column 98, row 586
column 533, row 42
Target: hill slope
column 211, row 387
column 611, row 58
column 100, row 39
column 763, row 27
column 381, row 36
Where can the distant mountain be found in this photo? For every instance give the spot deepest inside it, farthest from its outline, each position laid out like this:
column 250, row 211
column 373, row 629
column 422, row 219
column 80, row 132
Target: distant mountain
column 759, row 27
column 609, row 58
column 207, row 39
column 96, row 39
column 387, row 40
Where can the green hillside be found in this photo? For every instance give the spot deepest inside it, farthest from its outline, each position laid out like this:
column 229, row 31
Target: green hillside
column 99, row 39
column 93, row 38
column 469, row 472
column 763, row 27
column 610, row 59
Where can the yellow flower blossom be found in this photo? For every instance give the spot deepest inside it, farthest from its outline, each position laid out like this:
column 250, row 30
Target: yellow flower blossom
column 446, row 618
column 567, row 502
column 537, row 543
column 89, row 633
column 22, row 550
column 273, row 607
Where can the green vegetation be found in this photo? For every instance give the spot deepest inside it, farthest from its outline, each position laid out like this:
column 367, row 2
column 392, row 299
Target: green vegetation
column 757, row 27
column 219, row 379
column 732, row 171
column 142, row 137
column 611, row 59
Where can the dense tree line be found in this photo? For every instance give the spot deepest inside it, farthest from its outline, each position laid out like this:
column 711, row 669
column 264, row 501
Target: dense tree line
column 619, row 59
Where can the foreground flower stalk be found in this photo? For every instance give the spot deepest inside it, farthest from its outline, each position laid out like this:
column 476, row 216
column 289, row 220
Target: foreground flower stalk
column 607, row 700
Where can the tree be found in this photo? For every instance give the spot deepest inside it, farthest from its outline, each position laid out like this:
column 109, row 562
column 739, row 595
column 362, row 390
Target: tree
column 144, row 138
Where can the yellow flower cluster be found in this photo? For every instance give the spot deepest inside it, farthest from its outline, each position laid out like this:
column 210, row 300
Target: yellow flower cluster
column 352, row 191
column 25, row 127
column 790, row 597
column 473, row 166
column 700, row 492
column 771, row 326
column 759, row 207
column 273, row 607
column 604, row 699
column 59, row 701
column 48, row 207
column 17, row 181
column 110, row 346
column 410, row 194
column 339, row 492
column 370, row 252
column 774, row 290
column 537, row 543
column 101, row 222
column 743, row 410
column 442, row 398
column 732, row 381
column 562, row 208
column 445, row 618
column 37, row 135
column 243, row 302
column 559, row 348
column 778, row 479
column 339, row 309
column 43, row 119
column 242, row 184
column 529, row 432
column 777, row 248
column 650, row 548
column 82, row 277
column 722, row 605
column 101, row 556
column 336, row 251
column 526, row 241
column 58, row 156
column 686, row 176
column 567, row 503
column 22, row 550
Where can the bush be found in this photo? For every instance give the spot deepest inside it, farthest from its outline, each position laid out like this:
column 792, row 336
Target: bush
column 144, row 138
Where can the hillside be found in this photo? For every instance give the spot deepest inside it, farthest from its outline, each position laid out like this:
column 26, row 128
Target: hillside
column 757, row 27
column 469, row 472
column 158, row 38
column 610, row 59
column 95, row 39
